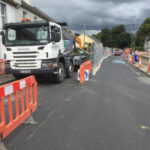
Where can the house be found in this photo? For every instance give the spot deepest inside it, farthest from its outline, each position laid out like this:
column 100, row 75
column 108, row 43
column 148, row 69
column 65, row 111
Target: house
column 86, row 39
column 147, row 44
column 7, row 12
column 25, row 10
column 7, row 15
column 14, row 11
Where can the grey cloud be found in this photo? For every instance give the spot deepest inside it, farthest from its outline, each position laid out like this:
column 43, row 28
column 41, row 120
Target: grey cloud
column 96, row 14
column 116, row 1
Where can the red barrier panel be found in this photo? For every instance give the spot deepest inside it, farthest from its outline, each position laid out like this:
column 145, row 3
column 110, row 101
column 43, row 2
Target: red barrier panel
column 2, row 66
column 85, row 66
column 21, row 94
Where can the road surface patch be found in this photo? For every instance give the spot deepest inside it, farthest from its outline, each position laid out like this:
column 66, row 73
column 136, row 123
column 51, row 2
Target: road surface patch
column 118, row 62
column 144, row 127
column 144, row 80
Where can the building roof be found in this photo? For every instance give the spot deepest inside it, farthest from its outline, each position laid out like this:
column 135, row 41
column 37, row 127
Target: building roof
column 10, row 2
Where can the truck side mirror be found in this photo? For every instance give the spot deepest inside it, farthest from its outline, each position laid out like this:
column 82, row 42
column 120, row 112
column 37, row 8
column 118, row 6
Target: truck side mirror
column 3, row 37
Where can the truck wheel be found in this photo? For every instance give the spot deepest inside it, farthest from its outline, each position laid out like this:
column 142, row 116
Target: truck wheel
column 59, row 77
column 69, row 72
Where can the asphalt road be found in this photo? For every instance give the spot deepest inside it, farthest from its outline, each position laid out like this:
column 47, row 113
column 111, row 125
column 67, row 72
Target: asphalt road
column 110, row 112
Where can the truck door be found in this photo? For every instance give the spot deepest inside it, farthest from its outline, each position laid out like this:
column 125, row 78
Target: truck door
column 56, row 38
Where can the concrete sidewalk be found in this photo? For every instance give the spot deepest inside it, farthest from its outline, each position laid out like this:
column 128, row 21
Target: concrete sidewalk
column 4, row 79
column 143, row 69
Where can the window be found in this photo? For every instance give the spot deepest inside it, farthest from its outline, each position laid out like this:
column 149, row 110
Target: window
column 3, row 13
column 11, row 34
column 35, row 18
column 24, row 14
column 42, row 33
column 27, row 36
column 55, row 34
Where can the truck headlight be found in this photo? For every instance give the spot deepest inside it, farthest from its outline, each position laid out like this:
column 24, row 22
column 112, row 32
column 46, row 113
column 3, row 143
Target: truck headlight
column 45, row 65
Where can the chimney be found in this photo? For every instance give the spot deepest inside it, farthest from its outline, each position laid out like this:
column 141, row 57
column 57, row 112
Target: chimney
column 17, row 1
column 27, row 1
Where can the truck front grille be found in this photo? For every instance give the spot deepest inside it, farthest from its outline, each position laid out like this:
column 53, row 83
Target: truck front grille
column 25, row 60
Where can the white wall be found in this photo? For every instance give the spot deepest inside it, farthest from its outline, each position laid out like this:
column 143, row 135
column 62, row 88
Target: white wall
column 10, row 14
column 19, row 15
column 11, row 17
column 147, row 46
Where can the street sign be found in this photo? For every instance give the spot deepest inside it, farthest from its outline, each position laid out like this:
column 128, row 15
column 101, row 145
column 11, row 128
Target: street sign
column 86, row 75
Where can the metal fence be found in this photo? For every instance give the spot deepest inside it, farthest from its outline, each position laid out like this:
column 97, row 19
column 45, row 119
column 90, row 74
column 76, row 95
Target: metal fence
column 98, row 52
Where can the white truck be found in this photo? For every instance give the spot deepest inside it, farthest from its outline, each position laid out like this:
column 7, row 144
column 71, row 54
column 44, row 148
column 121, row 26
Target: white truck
column 37, row 48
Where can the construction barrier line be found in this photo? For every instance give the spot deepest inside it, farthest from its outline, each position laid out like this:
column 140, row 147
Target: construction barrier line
column 85, row 66
column 23, row 95
column 140, row 62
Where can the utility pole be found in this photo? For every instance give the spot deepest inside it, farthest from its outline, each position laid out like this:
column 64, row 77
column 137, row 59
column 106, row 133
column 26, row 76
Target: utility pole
column 84, row 35
column 133, row 36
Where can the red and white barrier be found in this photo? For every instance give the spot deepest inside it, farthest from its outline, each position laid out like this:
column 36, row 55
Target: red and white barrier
column 25, row 99
column 86, row 66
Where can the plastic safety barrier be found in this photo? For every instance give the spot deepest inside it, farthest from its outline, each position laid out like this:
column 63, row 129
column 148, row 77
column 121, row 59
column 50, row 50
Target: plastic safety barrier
column 2, row 66
column 85, row 66
column 18, row 100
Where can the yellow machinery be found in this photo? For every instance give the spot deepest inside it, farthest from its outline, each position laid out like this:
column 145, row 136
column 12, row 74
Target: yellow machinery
column 79, row 41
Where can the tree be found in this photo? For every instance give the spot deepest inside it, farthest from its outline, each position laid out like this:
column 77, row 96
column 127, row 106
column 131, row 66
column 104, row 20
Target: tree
column 142, row 33
column 117, row 37
column 97, row 36
column 106, row 37
column 124, row 40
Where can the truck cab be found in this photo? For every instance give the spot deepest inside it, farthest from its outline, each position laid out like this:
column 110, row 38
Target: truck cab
column 36, row 48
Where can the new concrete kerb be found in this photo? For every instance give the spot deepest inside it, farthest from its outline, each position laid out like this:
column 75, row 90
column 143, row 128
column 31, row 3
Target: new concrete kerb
column 96, row 69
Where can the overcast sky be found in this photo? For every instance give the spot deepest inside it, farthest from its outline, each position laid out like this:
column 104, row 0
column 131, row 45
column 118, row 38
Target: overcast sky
column 96, row 14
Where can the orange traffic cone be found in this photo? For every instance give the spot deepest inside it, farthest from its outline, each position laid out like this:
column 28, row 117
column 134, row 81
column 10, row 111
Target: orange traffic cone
column 140, row 62
column 133, row 60
column 127, row 56
column 130, row 59
column 149, row 68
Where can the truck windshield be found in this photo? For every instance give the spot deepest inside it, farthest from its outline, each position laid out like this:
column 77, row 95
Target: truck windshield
column 22, row 36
